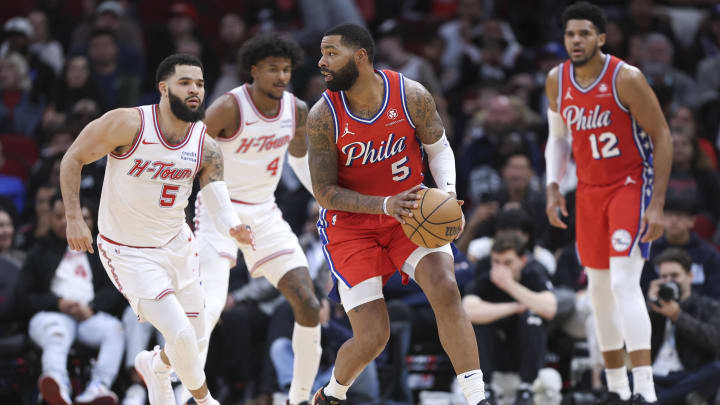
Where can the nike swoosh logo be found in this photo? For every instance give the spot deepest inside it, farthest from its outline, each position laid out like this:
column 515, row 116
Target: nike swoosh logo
column 148, row 143
column 470, row 375
column 250, row 123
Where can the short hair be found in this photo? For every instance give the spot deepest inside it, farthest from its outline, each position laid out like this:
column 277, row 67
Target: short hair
column 585, row 11
column 675, row 255
column 355, row 36
column 682, row 203
column 167, row 67
column 99, row 32
column 263, row 46
column 509, row 241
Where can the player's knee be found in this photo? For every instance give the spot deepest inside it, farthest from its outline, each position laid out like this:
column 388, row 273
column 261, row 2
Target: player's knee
column 624, row 291
column 373, row 341
column 185, row 341
column 442, row 288
column 306, row 307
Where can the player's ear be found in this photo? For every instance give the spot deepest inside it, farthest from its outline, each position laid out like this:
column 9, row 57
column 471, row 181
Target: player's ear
column 253, row 71
column 162, row 87
column 360, row 54
column 601, row 39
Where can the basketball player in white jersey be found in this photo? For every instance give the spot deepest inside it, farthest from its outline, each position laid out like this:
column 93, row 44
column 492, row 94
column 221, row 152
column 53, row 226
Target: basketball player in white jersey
column 255, row 124
column 146, row 247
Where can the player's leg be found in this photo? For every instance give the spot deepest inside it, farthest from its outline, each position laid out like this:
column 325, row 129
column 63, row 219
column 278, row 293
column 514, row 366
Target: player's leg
column 215, row 276
column 370, row 323
column 434, row 271
column 592, row 226
column 181, row 351
column 297, row 287
column 627, row 256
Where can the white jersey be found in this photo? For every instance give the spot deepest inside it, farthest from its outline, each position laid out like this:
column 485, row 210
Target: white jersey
column 255, row 154
column 146, row 190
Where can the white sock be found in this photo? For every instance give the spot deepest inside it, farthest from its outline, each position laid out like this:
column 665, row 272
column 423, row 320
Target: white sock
column 643, row 383
column 335, row 389
column 307, row 352
column 617, row 381
column 208, row 400
column 472, row 386
column 159, row 365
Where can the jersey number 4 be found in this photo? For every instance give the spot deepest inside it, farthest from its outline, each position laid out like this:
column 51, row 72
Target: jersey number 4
column 273, row 166
column 609, row 147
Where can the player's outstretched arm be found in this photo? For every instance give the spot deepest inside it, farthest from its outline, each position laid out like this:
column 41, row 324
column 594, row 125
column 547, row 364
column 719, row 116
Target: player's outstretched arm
column 215, row 194
column 639, row 98
column 117, row 131
column 557, row 153
column 222, row 118
column 297, row 151
column 323, row 169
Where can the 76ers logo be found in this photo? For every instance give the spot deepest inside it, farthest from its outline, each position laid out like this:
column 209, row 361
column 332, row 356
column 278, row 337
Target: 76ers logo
column 392, row 114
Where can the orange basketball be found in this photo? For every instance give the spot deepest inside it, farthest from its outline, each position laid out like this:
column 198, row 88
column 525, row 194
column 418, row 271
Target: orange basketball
column 436, row 221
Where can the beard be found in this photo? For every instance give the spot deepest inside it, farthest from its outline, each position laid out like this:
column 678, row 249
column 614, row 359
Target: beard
column 344, row 78
column 584, row 61
column 183, row 112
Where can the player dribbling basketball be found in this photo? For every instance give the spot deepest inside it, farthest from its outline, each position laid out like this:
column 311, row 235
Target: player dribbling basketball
column 366, row 166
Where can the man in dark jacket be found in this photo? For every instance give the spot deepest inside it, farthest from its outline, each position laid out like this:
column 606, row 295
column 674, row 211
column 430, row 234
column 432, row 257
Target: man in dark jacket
column 69, row 296
column 685, row 333
column 680, row 211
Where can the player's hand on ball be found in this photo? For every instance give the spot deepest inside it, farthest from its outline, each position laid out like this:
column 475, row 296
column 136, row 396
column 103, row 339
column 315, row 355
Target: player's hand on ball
column 244, row 235
column 555, row 202
column 78, row 235
column 399, row 205
column 652, row 223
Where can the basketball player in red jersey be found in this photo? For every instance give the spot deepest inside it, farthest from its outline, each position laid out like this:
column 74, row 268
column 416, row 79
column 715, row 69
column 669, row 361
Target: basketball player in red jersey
column 623, row 150
column 366, row 166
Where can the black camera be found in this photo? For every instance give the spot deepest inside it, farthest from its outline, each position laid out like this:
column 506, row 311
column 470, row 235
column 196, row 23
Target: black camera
column 668, row 291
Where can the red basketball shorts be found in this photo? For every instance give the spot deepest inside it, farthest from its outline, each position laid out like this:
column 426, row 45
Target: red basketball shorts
column 608, row 220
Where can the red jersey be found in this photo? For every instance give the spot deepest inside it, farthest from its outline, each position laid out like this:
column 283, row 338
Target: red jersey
column 379, row 156
column 607, row 142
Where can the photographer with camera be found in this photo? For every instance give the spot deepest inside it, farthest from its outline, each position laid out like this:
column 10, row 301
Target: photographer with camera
column 685, row 333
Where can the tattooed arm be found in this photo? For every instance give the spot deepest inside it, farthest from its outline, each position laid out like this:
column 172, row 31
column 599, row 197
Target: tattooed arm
column 297, row 151
column 421, row 106
column 212, row 167
column 214, row 194
column 324, row 171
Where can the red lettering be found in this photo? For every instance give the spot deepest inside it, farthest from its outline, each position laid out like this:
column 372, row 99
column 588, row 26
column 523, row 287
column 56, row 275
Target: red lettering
column 139, row 166
column 160, row 169
column 245, row 145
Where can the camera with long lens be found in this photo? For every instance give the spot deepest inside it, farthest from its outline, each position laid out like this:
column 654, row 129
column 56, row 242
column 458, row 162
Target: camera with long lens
column 668, row 291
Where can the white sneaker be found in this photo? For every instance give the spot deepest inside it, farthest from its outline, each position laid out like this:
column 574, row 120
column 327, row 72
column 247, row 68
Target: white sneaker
column 135, row 395
column 53, row 391
column 158, row 383
column 96, row 394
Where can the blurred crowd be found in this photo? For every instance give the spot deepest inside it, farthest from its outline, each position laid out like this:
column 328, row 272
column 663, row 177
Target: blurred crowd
column 64, row 63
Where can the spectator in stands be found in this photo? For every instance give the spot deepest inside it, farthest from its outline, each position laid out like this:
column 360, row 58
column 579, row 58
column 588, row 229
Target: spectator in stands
column 11, row 187
column 692, row 174
column 38, row 226
column 43, row 44
column 119, row 87
column 7, row 239
column 680, row 215
column 685, row 334
column 69, row 297
column 509, row 307
column 683, row 119
column 74, row 85
column 18, row 32
column 19, row 114
column 512, row 219
column 232, row 33
column 658, row 69
column 496, row 132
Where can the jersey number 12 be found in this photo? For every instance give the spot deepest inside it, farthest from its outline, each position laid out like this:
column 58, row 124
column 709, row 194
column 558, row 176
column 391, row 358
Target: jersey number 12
column 609, row 147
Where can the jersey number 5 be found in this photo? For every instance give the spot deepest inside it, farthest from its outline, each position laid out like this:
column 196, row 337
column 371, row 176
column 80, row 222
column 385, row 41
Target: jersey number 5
column 609, row 146
column 399, row 171
column 167, row 197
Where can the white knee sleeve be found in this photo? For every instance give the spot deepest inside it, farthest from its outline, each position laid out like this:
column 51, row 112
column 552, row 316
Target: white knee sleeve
column 625, row 281
column 608, row 326
column 184, row 357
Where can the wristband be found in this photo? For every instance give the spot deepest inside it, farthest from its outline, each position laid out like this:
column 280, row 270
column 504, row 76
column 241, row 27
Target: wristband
column 385, row 205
